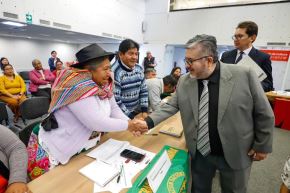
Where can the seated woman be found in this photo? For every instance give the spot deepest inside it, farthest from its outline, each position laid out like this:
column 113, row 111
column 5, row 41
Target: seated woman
column 176, row 72
column 4, row 61
column 82, row 103
column 285, row 186
column 58, row 68
column 12, row 90
column 41, row 80
column 13, row 163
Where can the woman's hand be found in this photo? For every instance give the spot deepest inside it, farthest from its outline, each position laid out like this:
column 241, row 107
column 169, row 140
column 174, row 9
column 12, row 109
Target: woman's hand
column 18, row 187
column 137, row 127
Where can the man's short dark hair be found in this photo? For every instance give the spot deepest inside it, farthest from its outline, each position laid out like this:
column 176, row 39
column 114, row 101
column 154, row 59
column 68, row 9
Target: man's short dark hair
column 169, row 80
column 128, row 44
column 250, row 26
column 149, row 70
column 53, row 51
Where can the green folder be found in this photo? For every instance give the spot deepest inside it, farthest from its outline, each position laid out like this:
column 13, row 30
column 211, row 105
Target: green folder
column 176, row 179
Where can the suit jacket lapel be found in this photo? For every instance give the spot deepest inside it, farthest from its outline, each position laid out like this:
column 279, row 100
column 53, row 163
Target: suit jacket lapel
column 192, row 90
column 253, row 53
column 225, row 90
column 233, row 56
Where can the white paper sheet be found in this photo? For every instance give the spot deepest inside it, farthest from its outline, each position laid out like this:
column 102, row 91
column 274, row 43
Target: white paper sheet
column 247, row 61
column 109, row 151
column 100, row 172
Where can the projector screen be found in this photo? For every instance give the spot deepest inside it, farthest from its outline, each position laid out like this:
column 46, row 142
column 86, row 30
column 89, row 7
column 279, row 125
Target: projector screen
column 197, row 4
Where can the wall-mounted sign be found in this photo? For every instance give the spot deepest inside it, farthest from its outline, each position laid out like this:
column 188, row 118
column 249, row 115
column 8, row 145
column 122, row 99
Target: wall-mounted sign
column 28, row 18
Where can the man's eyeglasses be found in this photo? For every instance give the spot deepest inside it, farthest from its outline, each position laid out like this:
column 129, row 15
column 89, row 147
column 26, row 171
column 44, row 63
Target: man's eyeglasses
column 239, row 37
column 190, row 61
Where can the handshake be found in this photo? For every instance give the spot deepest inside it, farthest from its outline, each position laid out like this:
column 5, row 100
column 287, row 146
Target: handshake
column 137, row 127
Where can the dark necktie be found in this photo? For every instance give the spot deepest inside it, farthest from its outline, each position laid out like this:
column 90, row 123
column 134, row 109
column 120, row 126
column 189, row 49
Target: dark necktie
column 240, row 57
column 203, row 145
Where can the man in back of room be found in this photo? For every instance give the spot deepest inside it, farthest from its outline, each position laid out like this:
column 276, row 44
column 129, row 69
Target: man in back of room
column 245, row 34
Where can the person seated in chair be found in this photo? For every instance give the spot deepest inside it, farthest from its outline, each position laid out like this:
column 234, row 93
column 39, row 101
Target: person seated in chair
column 82, row 104
column 41, row 80
column 156, row 87
column 4, row 61
column 58, row 68
column 176, row 72
column 12, row 90
column 13, row 163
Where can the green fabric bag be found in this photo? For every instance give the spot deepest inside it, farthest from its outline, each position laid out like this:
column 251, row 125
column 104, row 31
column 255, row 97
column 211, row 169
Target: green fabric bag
column 176, row 179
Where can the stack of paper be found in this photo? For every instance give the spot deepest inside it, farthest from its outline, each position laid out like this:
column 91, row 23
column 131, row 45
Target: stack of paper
column 109, row 152
column 99, row 172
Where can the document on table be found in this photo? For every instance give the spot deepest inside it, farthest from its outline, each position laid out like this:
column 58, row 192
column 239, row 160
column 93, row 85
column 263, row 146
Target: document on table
column 247, row 61
column 281, row 93
column 109, row 151
column 99, row 172
column 114, row 186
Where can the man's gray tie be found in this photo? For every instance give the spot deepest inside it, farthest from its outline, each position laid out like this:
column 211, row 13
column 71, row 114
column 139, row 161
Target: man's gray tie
column 240, row 57
column 203, row 145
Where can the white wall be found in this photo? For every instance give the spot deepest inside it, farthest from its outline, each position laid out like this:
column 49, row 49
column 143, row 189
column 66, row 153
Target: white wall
column 178, row 27
column 163, row 55
column 20, row 52
column 164, row 27
column 117, row 17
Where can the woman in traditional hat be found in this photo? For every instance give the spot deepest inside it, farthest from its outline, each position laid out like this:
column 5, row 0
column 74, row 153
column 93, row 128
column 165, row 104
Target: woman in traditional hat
column 82, row 103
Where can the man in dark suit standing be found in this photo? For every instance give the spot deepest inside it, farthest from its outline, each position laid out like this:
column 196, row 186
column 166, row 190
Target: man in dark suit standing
column 245, row 34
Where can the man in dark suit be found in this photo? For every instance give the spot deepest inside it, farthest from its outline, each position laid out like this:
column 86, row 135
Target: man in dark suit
column 226, row 117
column 245, row 34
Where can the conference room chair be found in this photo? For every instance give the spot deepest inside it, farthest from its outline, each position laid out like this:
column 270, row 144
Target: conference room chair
column 32, row 109
column 25, row 76
column 3, row 114
column 4, row 119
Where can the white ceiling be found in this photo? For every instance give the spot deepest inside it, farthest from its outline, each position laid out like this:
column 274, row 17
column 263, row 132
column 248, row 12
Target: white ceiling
column 52, row 34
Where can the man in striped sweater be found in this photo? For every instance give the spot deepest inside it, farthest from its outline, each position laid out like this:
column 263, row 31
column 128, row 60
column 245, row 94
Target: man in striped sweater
column 130, row 89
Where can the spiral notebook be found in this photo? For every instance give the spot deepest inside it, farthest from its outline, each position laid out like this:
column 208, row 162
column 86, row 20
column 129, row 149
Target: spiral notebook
column 99, row 172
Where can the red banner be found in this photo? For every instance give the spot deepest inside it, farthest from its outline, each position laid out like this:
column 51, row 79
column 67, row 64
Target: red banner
column 278, row 55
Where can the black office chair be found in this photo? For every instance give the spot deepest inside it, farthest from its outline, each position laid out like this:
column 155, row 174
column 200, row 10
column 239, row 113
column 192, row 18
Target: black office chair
column 25, row 76
column 4, row 119
column 3, row 114
column 32, row 108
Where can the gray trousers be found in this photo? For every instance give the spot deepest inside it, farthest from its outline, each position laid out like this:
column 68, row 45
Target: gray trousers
column 203, row 170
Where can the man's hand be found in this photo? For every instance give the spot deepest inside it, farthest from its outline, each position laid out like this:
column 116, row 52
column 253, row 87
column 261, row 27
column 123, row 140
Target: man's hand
column 257, row 156
column 144, row 115
column 18, row 187
column 137, row 127
column 141, row 116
